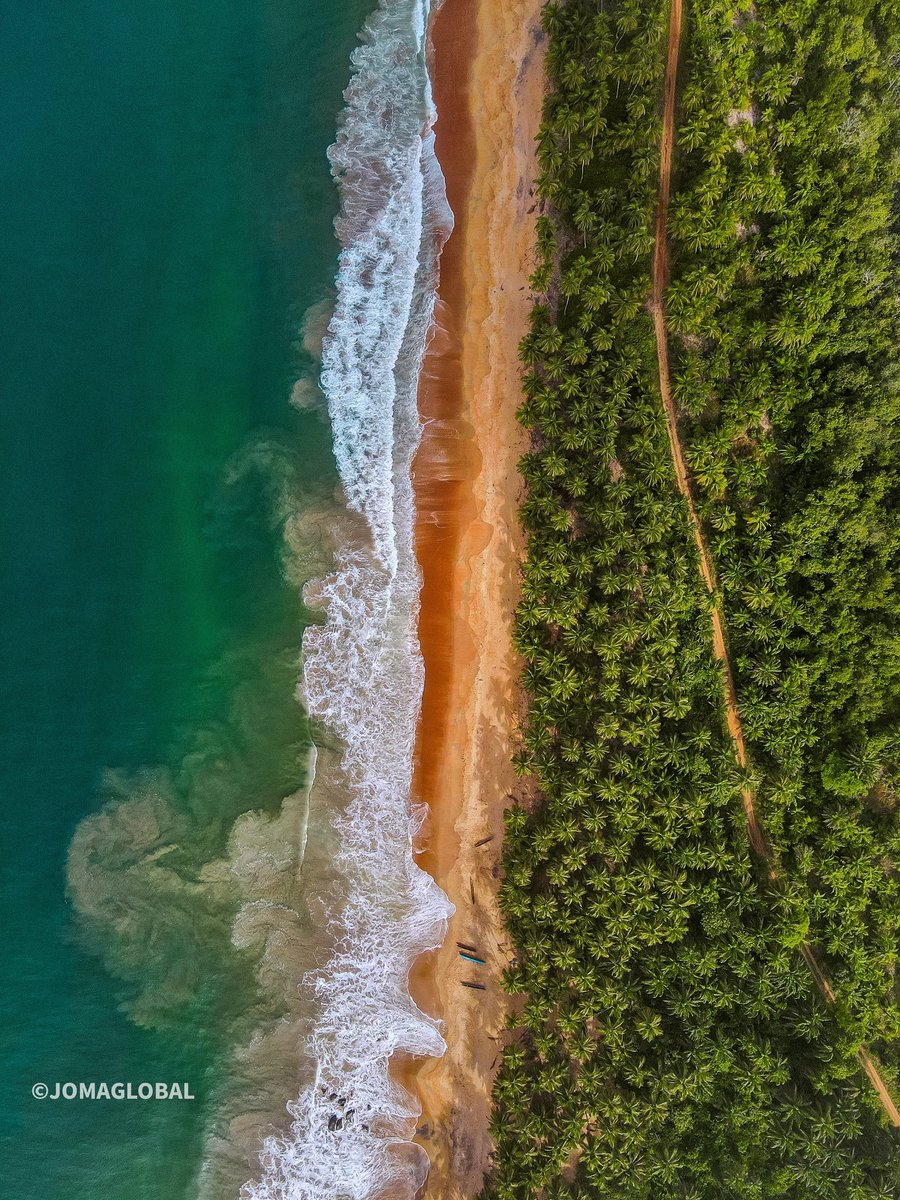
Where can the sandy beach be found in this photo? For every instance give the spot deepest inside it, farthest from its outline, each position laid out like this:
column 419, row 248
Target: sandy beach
column 488, row 90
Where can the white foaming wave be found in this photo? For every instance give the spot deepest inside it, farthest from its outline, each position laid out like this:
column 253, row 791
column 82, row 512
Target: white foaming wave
column 377, row 160
column 363, row 672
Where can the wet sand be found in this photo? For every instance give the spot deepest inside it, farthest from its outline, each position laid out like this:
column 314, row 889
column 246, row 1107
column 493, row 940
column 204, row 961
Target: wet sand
column 488, row 90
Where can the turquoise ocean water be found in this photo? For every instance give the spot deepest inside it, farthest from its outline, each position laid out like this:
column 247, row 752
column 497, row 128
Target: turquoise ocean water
column 166, row 208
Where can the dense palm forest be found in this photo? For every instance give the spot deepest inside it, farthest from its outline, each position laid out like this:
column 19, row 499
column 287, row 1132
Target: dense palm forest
column 671, row 1040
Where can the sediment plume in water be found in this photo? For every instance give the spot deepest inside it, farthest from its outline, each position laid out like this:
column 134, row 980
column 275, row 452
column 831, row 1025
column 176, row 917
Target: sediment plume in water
column 203, row 884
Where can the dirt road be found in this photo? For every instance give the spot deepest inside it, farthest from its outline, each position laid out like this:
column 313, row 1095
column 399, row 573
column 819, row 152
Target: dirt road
column 660, row 280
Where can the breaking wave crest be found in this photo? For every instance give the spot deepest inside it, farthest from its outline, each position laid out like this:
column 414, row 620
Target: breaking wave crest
column 363, row 671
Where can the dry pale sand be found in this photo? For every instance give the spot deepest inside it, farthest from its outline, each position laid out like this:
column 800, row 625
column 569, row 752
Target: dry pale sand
column 488, row 90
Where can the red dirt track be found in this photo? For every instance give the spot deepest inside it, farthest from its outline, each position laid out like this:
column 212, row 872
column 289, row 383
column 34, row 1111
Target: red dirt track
column 656, row 305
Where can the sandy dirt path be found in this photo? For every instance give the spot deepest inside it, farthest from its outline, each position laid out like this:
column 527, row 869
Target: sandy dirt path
column 660, row 280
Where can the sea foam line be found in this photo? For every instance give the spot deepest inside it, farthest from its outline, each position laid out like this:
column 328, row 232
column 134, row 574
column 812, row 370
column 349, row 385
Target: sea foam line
column 363, row 671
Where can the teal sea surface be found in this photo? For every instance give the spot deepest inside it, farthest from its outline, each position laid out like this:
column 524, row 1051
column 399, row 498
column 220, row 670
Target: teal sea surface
column 167, row 209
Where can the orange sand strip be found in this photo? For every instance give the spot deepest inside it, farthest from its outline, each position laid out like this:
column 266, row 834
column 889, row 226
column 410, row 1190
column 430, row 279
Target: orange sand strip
column 488, row 90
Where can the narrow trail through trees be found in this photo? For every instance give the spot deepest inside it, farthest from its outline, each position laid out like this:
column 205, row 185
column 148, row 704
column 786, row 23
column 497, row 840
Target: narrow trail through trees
column 656, row 305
